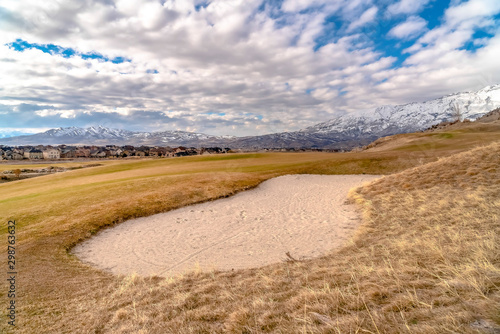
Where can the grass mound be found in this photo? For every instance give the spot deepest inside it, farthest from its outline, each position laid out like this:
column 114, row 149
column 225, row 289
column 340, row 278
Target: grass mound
column 457, row 136
column 434, row 239
column 427, row 259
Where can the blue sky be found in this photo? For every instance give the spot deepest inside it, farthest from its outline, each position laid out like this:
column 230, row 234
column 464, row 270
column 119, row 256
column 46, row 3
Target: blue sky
column 234, row 67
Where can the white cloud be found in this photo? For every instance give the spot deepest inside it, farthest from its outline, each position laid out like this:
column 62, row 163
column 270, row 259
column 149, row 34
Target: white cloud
column 412, row 27
column 451, row 71
column 472, row 10
column 298, row 5
column 440, row 64
column 458, row 28
column 407, row 7
column 368, row 16
column 230, row 57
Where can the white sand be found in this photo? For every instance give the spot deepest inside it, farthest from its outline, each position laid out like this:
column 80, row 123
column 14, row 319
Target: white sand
column 301, row 214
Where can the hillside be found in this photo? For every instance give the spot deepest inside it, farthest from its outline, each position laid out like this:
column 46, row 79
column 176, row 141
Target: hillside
column 100, row 135
column 425, row 261
column 444, row 135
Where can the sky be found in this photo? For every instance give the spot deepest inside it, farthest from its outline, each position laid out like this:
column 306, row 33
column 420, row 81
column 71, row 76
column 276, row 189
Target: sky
column 234, row 67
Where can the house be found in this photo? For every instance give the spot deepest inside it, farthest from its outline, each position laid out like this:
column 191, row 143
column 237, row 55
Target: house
column 68, row 153
column 82, row 152
column 33, row 154
column 126, row 153
column 15, row 156
column 157, row 152
column 98, row 154
column 181, row 154
column 180, row 149
column 20, row 150
column 51, row 153
column 154, row 153
column 116, row 152
column 192, row 151
column 213, row 150
column 169, row 152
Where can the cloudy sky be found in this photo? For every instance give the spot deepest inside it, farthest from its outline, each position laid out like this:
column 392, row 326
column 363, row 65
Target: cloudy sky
column 227, row 67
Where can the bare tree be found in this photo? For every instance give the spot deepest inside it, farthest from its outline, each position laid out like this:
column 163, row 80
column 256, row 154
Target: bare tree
column 456, row 112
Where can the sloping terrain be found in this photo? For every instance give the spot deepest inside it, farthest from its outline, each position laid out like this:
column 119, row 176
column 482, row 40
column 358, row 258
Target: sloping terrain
column 426, row 259
column 457, row 135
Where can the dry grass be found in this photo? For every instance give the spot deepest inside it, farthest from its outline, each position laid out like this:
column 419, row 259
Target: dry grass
column 426, row 260
column 457, row 137
column 26, row 164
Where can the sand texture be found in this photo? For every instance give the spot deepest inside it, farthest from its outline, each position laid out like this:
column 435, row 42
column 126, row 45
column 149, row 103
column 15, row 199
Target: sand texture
column 304, row 215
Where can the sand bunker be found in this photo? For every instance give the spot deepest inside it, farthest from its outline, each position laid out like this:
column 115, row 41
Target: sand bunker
column 304, row 215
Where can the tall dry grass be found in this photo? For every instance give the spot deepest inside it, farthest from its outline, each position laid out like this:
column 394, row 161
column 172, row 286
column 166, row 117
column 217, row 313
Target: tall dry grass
column 425, row 261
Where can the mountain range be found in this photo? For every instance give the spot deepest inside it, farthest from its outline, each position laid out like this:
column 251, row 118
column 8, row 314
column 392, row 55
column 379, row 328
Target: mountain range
column 343, row 132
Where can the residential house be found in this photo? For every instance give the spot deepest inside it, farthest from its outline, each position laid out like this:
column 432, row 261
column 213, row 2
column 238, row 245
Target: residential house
column 128, row 147
column 82, row 152
column 169, row 152
column 157, row 152
column 97, row 153
column 115, row 152
column 213, row 150
column 126, row 153
column 51, row 153
column 180, row 149
column 33, row 154
column 192, row 151
column 11, row 155
column 68, row 153
column 20, row 150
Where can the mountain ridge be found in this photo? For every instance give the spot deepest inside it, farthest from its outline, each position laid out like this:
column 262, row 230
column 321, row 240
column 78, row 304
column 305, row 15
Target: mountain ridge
column 342, row 132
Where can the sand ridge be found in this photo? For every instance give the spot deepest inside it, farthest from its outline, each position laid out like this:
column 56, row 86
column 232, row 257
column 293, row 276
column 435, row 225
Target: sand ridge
column 304, row 215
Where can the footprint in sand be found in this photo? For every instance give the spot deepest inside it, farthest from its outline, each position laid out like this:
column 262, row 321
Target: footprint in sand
column 299, row 214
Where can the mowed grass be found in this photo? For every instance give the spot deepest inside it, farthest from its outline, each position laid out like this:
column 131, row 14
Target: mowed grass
column 10, row 164
column 425, row 261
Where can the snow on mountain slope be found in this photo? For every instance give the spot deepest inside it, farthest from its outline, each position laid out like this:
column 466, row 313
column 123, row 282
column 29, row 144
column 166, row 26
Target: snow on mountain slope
column 360, row 128
column 98, row 132
column 414, row 116
column 343, row 132
column 103, row 136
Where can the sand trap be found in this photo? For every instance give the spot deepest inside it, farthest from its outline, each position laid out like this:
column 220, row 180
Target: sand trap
column 301, row 214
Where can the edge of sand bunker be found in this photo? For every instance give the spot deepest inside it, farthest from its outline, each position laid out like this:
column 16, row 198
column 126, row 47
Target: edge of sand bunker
column 304, row 215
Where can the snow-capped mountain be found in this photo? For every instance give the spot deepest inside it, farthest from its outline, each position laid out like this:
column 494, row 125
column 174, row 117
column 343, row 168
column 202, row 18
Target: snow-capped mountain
column 415, row 116
column 103, row 136
column 360, row 128
column 92, row 132
column 343, row 132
